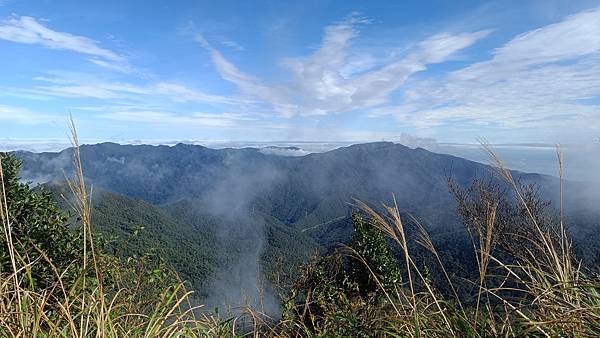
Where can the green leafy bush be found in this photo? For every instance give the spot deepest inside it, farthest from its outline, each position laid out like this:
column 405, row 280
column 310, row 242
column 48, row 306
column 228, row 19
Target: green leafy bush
column 341, row 294
column 39, row 230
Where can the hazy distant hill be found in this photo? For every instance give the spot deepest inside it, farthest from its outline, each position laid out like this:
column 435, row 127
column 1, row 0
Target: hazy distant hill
column 205, row 208
column 300, row 191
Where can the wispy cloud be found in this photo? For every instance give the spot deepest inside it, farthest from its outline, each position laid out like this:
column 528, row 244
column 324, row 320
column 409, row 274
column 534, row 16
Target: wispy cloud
column 81, row 85
column 248, row 84
column 23, row 116
column 548, row 77
column 181, row 93
column 324, row 82
column 28, row 30
column 122, row 67
column 170, row 119
column 75, row 85
column 232, row 44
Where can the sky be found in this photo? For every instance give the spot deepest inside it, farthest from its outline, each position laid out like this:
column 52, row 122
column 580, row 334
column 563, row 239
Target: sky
column 452, row 71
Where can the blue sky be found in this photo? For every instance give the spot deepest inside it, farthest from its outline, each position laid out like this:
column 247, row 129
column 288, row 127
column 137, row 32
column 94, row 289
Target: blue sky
column 509, row 71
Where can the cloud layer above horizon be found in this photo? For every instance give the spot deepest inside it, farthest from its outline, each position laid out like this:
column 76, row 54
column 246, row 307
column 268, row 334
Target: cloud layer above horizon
column 363, row 75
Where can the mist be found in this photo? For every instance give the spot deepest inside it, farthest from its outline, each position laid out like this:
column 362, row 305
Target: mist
column 240, row 195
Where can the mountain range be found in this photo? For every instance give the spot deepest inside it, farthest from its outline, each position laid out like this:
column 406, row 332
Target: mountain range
column 223, row 217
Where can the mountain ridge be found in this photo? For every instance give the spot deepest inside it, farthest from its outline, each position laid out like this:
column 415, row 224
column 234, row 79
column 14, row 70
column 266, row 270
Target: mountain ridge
column 256, row 204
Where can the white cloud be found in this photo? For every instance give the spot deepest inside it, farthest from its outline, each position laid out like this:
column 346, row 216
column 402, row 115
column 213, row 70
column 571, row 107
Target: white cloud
column 23, row 116
column 284, row 151
column 28, row 30
column 181, row 93
column 122, row 67
column 77, row 85
column 537, row 79
column 440, row 47
column 248, row 84
column 232, row 44
column 80, row 85
column 576, row 36
column 324, row 82
column 33, row 145
column 221, row 120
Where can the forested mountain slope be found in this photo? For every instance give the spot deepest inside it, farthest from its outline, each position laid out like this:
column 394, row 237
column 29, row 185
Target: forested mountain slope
column 207, row 208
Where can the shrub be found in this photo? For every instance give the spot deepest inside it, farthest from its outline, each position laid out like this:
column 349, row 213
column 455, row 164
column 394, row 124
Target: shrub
column 341, row 294
column 40, row 231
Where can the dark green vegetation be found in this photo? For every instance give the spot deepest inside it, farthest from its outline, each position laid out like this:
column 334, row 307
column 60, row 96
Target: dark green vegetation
column 529, row 286
column 57, row 279
column 330, row 290
column 204, row 209
column 37, row 224
column 196, row 244
column 522, row 277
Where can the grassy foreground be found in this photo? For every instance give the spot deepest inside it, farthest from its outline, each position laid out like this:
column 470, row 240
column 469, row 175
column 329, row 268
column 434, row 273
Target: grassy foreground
column 528, row 281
